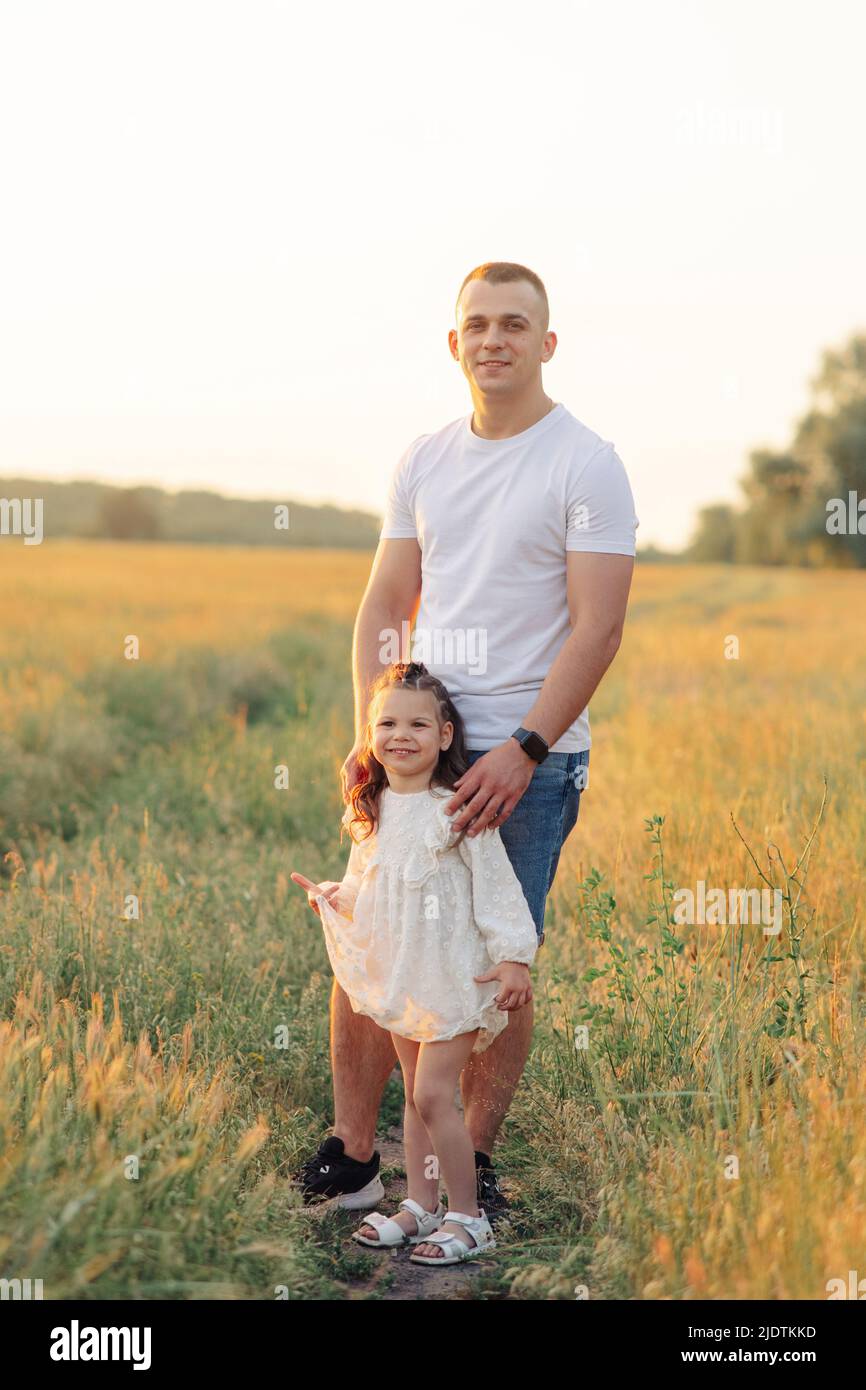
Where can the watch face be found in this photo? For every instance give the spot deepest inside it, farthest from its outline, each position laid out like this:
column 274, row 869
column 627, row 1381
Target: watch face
column 531, row 743
column 535, row 746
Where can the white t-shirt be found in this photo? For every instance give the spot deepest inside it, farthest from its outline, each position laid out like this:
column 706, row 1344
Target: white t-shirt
column 493, row 519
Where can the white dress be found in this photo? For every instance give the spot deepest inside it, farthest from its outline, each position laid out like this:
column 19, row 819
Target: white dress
column 417, row 918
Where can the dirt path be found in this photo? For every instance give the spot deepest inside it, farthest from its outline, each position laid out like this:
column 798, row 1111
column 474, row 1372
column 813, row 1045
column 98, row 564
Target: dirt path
column 392, row 1267
column 411, row 1281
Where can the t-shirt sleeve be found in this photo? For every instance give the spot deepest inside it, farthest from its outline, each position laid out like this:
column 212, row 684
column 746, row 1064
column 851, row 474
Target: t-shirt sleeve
column 600, row 514
column 399, row 519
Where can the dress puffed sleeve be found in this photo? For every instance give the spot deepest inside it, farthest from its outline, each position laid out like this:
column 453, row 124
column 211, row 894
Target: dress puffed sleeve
column 498, row 901
column 361, row 855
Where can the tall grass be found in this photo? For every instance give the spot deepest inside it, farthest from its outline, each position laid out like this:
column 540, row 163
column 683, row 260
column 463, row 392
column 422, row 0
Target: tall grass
column 164, row 988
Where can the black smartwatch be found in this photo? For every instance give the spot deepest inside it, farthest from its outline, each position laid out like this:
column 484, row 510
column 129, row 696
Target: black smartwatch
column 532, row 743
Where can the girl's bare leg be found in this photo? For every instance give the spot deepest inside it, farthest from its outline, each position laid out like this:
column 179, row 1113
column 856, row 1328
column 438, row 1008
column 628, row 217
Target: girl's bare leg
column 420, row 1156
column 437, row 1072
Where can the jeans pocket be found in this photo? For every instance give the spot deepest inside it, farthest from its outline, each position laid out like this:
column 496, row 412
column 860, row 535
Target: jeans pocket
column 580, row 775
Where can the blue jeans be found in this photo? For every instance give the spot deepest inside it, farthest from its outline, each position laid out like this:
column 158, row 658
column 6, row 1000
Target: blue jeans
column 540, row 824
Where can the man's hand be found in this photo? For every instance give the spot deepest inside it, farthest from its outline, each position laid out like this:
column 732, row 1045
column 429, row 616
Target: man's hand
column 515, row 980
column 312, row 890
column 494, row 783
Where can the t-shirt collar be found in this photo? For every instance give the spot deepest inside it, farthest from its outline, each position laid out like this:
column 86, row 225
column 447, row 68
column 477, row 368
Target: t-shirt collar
column 524, row 437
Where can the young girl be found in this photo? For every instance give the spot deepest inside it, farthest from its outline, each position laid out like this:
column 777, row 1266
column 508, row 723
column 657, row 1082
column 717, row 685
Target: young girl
column 430, row 934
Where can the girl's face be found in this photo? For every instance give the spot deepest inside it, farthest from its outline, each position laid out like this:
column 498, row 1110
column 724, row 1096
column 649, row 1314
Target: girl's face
column 406, row 736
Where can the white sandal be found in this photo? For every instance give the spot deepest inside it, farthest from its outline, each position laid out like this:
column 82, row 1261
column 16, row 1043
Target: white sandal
column 453, row 1248
column 391, row 1232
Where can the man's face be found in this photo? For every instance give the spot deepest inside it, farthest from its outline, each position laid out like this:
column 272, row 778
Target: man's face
column 500, row 340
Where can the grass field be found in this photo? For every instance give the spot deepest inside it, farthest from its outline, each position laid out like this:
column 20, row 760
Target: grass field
column 162, row 1073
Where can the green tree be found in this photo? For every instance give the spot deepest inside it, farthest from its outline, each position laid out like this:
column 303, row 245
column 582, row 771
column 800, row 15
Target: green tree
column 784, row 520
column 715, row 539
column 127, row 514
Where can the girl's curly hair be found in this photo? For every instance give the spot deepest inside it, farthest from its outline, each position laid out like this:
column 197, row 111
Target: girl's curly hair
column 364, row 797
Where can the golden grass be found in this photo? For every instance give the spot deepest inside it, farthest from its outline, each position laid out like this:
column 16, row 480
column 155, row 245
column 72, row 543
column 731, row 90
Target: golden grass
column 156, row 1037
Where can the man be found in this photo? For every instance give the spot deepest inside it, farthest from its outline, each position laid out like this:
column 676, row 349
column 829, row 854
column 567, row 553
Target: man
column 512, row 532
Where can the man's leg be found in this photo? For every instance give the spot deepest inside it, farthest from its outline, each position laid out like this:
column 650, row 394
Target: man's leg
column 490, row 1079
column 533, row 837
column 362, row 1059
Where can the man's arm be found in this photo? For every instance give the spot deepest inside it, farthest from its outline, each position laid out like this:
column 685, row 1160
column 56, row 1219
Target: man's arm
column 392, row 596
column 598, row 587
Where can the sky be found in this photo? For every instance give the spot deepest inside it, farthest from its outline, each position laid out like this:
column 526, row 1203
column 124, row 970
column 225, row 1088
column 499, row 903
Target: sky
column 233, row 233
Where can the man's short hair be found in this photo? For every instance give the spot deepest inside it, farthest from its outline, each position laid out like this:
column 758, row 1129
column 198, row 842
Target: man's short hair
column 504, row 273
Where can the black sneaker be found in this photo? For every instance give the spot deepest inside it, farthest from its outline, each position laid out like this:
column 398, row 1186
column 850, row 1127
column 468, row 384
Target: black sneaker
column 332, row 1174
column 490, row 1195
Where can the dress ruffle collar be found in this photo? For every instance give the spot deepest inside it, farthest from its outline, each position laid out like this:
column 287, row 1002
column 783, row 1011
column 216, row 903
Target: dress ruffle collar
column 423, row 858
column 436, row 836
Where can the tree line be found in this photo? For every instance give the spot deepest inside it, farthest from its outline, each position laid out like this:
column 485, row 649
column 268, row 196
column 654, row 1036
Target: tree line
column 805, row 505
